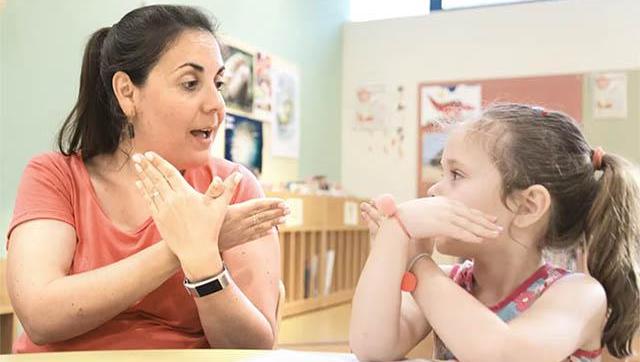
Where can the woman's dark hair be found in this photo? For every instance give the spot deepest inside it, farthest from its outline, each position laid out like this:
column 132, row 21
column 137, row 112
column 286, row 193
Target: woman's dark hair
column 595, row 201
column 134, row 45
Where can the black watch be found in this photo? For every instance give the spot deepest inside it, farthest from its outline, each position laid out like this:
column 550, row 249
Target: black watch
column 210, row 285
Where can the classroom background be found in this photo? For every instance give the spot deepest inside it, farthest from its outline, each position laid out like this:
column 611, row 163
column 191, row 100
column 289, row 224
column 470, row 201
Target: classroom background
column 342, row 104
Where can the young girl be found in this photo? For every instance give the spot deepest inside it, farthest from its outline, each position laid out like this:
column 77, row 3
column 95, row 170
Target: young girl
column 518, row 180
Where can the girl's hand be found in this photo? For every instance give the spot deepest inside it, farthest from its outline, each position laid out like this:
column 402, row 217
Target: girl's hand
column 188, row 221
column 372, row 216
column 251, row 220
column 430, row 217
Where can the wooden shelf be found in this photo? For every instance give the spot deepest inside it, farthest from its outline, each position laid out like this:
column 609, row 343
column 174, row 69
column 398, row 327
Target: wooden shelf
column 322, row 251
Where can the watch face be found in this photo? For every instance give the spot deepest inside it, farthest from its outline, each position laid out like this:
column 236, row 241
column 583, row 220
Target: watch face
column 209, row 288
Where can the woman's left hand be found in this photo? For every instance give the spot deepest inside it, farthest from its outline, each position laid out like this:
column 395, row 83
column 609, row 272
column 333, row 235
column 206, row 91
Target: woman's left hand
column 187, row 220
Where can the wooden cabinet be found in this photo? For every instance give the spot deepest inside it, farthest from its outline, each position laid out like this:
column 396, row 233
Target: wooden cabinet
column 323, row 249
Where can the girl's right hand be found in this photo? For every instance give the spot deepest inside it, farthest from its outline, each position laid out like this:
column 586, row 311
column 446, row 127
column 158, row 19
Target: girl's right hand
column 430, row 217
column 372, row 216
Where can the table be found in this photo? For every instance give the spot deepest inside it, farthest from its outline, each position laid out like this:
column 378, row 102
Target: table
column 185, row 355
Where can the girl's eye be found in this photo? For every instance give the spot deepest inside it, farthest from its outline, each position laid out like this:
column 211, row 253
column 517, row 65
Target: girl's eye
column 455, row 175
column 219, row 85
column 190, row 85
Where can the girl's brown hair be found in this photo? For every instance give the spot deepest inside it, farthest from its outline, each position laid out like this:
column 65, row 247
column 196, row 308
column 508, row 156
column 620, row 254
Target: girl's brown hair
column 596, row 207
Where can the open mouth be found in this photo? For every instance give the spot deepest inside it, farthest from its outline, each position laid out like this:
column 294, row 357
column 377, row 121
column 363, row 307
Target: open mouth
column 202, row 133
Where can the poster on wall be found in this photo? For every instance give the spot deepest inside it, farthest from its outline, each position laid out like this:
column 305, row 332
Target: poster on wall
column 263, row 88
column 371, row 107
column 449, row 104
column 285, row 141
column 609, row 95
column 433, row 142
column 238, row 79
column 379, row 116
column 243, row 142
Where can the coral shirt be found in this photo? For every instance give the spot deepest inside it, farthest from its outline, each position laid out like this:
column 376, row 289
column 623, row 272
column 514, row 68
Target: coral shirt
column 58, row 187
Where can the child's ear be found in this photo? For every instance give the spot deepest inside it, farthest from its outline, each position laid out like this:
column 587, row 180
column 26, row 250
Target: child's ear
column 533, row 205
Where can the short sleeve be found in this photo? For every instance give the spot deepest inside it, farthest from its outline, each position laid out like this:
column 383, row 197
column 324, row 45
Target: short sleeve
column 44, row 192
column 249, row 187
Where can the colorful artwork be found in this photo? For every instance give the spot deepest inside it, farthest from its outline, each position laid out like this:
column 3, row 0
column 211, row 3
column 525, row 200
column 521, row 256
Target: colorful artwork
column 238, row 79
column 609, row 95
column 371, row 107
column 450, row 104
column 285, row 141
column 243, row 142
column 263, row 93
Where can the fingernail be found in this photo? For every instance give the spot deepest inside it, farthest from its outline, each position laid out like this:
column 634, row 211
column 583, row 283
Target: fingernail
column 237, row 177
column 137, row 167
column 217, row 181
column 136, row 158
column 282, row 205
column 149, row 156
column 287, row 211
column 139, row 184
column 281, row 220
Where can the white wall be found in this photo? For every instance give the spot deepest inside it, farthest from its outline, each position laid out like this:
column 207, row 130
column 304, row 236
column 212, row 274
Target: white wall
column 554, row 37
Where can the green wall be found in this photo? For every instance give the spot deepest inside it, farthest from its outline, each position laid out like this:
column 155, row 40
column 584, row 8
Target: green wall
column 40, row 56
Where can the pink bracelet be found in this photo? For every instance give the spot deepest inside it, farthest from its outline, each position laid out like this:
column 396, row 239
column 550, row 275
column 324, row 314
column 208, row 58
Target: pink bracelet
column 387, row 204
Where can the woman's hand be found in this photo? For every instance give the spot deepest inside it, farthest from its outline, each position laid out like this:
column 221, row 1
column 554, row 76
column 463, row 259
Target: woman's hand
column 188, row 221
column 251, row 220
column 430, row 217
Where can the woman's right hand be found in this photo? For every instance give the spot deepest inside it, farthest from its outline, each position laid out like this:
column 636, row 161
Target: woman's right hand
column 251, row 220
column 431, row 217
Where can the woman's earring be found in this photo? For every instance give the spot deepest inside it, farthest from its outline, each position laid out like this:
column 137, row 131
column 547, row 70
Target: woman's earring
column 130, row 130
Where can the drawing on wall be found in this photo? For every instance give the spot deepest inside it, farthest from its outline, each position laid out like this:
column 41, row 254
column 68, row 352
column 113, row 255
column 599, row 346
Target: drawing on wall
column 380, row 116
column 394, row 133
column 243, row 142
column 450, row 104
column 285, row 141
column 238, row 79
column 609, row 95
column 371, row 107
column 263, row 90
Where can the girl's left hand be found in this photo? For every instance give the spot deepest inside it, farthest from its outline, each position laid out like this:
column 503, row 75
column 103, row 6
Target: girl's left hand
column 187, row 220
column 431, row 217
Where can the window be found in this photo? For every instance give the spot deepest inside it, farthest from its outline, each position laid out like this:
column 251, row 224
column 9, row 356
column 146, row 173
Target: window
column 364, row 10
column 461, row 4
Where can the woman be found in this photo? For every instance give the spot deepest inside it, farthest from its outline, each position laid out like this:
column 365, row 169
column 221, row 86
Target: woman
column 112, row 257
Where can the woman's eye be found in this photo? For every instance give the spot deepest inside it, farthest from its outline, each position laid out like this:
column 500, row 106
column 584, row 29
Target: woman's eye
column 190, row 85
column 219, row 85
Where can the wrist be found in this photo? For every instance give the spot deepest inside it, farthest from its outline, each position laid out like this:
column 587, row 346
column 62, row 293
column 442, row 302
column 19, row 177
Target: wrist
column 201, row 265
column 391, row 228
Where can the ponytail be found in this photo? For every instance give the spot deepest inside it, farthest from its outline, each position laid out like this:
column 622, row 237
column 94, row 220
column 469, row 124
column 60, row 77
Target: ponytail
column 612, row 232
column 90, row 125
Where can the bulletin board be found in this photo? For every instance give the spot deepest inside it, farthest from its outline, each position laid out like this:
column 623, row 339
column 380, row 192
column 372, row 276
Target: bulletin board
column 465, row 98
